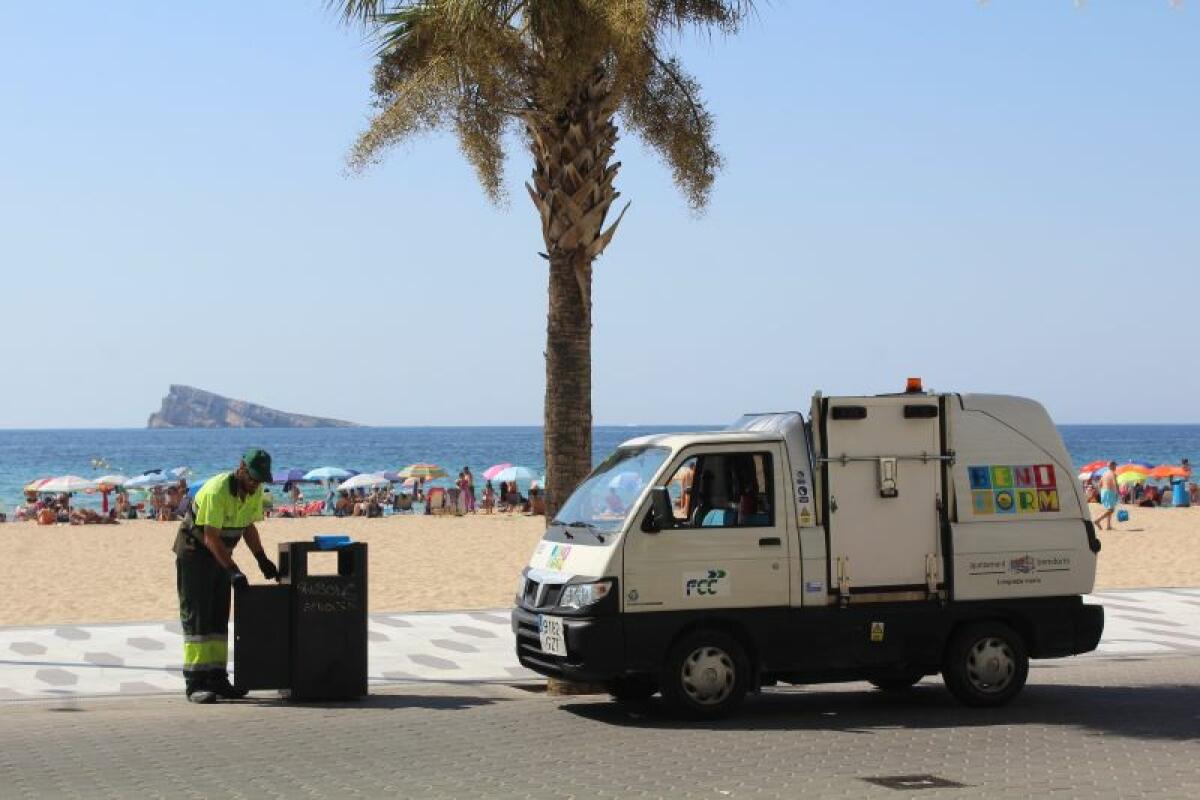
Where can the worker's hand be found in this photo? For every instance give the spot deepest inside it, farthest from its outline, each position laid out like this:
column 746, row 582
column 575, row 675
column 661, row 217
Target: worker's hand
column 267, row 566
column 237, row 579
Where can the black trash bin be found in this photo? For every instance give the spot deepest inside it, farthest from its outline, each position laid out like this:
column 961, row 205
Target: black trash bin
column 306, row 637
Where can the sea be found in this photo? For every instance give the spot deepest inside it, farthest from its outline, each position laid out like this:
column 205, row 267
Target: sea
column 29, row 454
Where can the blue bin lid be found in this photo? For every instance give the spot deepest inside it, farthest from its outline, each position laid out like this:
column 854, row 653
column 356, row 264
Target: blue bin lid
column 331, row 541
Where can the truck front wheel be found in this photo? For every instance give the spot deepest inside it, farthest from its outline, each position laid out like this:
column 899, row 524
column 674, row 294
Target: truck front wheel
column 706, row 675
column 986, row 664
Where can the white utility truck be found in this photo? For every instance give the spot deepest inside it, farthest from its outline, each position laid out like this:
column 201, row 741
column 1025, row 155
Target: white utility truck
column 886, row 538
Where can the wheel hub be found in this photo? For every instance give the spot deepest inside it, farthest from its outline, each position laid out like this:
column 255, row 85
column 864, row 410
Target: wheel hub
column 708, row 675
column 991, row 665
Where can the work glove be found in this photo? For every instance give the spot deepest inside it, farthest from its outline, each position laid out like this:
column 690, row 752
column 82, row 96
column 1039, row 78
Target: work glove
column 267, row 566
column 237, row 579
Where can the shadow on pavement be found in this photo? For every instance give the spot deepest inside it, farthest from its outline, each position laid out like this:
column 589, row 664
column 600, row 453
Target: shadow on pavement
column 378, row 702
column 1169, row 712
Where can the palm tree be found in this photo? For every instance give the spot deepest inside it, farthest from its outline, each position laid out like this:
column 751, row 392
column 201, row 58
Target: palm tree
column 560, row 72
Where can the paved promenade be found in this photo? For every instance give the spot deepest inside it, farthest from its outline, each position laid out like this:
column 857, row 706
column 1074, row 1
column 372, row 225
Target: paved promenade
column 141, row 659
column 1113, row 727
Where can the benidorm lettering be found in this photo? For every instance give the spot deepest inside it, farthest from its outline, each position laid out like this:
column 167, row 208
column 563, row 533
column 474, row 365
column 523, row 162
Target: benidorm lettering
column 1013, row 489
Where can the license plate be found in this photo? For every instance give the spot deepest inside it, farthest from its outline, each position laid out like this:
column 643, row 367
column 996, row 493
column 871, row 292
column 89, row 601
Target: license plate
column 550, row 631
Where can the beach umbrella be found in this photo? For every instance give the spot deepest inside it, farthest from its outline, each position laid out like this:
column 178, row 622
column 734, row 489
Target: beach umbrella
column 329, row 473
column 364, row 481
column 1131, row 476
column 181, row 472
column 1165, row 471
column 148, row 481
column 1134, row 468
column 67, row 483
column 626, row 481
column 35, row 485
column 109, row 481
column 426, row 471
column 510, row 474
column 288, row 475
column 1093, row 466
column 492, row 471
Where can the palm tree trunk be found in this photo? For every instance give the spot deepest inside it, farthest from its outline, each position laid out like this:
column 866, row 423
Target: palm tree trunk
column 573, row 190
column 568, row 409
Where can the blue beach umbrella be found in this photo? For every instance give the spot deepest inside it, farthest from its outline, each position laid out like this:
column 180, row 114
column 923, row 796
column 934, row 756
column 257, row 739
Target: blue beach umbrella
column 285, row 475
column 510, row 474
column 329, row 473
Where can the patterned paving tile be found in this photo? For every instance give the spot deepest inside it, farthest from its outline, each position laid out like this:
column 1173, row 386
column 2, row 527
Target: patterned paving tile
column 141, row 687
column 72, row 634
column 450, row 644
column 432, row 661
column 103, row 659
column 494, row 618
column 27, row 648
column 144, row 643
column 467, row 630
column 57, row 677
column 394, row 622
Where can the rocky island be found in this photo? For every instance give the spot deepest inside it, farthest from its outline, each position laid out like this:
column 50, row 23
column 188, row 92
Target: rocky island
column 186, row 407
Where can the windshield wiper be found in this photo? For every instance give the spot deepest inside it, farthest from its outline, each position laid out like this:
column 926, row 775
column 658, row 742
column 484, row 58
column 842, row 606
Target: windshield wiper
column 564, row 527
column 590, row 528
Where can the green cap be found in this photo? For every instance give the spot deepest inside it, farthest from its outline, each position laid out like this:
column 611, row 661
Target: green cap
column 258, row 464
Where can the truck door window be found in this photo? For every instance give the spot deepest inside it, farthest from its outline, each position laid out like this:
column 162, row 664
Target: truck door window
column 726, row 490
column 680, row 489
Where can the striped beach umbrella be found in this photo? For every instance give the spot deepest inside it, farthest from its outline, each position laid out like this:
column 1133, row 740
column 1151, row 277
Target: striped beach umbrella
column 491, row 472
column 67, row 483
column 426, row 471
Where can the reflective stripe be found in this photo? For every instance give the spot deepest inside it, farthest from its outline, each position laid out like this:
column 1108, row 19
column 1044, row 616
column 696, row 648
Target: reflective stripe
column 209, row 654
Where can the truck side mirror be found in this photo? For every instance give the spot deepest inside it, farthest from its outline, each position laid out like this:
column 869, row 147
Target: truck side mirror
column 660, row 515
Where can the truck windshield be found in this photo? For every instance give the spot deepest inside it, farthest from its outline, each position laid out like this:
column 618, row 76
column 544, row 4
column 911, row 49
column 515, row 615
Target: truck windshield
column 603, row 501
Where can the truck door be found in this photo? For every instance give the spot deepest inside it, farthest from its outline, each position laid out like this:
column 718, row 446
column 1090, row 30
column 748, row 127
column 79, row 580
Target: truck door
column 728, row 545
column 882, row 469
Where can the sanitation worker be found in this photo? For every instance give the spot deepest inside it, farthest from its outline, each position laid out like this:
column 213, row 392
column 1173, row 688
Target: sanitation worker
column 223, row 512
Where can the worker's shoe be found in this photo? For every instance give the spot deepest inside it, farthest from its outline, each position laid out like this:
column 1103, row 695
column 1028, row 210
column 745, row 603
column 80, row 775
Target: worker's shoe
column 226, row 690
column 202, row 696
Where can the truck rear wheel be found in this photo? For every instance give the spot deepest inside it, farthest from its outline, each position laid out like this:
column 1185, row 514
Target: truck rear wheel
column 706, row 675
column 986, row 664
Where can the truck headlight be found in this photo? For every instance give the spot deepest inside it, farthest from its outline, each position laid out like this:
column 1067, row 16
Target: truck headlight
column 580, row 595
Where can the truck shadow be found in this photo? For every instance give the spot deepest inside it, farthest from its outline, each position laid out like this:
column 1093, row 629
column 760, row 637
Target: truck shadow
column 378, row 702
column 1166, row 712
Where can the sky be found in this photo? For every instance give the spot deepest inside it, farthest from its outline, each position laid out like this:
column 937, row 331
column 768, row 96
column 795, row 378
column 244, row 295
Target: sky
column 996, row 197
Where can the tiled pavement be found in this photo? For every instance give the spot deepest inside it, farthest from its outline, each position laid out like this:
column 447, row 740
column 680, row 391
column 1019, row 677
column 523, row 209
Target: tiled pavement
column 470, row 646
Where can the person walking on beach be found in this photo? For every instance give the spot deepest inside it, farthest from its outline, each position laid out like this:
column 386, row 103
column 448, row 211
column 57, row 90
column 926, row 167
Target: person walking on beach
column 470, row 489
column 1108, row 495
column 222, row 513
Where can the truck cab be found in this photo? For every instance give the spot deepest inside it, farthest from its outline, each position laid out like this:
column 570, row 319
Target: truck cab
column 883, row 538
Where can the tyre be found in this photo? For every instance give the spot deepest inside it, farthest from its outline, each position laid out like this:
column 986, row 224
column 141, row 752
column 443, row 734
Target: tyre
column 706, row 675
column 986, row 664
column 636, row 689
column 899, row 682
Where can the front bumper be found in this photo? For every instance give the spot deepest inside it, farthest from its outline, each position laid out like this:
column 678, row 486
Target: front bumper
column 595, row 647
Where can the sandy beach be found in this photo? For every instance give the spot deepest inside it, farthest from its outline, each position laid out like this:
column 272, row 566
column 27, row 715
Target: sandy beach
column 90, row 574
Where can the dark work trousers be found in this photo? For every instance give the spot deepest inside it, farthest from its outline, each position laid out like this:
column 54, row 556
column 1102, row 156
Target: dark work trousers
column 204, row 593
